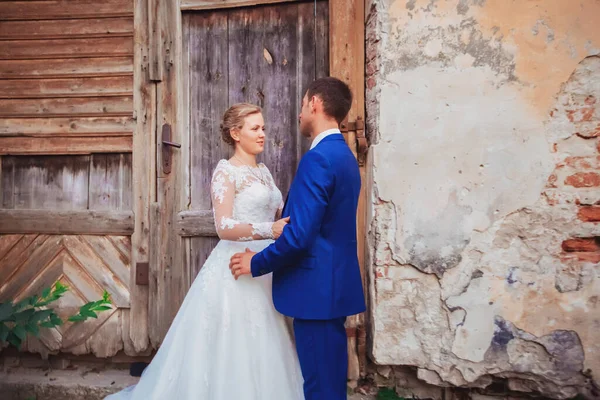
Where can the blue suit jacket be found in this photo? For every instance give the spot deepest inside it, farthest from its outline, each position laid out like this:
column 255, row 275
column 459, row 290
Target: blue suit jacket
column 314, row 262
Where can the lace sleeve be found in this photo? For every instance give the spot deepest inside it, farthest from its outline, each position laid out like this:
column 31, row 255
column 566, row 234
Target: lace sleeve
column 228, row 228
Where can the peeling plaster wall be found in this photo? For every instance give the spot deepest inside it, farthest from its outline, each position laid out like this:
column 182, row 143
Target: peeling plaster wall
column 485, row 166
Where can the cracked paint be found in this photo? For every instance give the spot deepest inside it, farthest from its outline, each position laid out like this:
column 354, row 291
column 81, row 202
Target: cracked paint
column 484, row 240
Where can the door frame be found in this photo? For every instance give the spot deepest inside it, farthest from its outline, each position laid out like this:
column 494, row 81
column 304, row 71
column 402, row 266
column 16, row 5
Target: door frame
column 170, row 192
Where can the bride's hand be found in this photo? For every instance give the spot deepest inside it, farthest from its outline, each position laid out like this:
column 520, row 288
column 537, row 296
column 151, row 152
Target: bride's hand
column 278, row 226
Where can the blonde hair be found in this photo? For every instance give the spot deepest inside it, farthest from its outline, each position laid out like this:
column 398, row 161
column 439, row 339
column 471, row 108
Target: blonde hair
column 234, row 119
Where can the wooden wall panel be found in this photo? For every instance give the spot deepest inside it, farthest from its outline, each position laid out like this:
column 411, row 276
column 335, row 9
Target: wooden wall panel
column 97, row 182
column 87, row 265
column 62, row 62
column 66, row 143
column 64, row 9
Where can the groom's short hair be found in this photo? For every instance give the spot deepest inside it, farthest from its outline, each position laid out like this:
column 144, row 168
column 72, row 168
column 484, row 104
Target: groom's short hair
column 335, row 94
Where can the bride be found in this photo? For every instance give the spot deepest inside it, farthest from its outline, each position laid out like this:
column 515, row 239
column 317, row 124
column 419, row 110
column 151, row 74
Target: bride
column 227, row 341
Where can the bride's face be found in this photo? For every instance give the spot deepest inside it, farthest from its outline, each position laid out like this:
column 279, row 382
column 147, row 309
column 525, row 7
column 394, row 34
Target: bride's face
column 251, row 137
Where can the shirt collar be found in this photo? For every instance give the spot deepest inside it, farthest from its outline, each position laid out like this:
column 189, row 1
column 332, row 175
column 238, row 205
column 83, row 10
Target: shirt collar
column 322, row 136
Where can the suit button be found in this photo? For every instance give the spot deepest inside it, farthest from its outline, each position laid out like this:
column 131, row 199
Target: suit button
column 263, row 271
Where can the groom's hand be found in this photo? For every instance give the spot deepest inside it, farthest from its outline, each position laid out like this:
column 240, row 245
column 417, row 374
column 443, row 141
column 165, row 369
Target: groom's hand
column 240, row 263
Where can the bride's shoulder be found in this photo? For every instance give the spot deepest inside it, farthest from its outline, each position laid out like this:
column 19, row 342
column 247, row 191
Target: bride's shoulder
column 224, row 166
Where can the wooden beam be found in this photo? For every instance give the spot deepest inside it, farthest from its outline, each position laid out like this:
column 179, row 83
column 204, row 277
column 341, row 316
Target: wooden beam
column 136, row 335
column 75, row 126
column 65, row 145
column 187, row 5
column 196, row 223
column 347, row 62
column 66, row 222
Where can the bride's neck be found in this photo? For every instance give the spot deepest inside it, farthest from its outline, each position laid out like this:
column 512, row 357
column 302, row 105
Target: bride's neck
column 244, row 158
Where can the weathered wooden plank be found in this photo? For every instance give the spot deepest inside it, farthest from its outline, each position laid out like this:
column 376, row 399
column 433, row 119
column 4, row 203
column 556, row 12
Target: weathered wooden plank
column 66, row 48
column 123, row 244
column 200, row 247
column 7, row 180
column 75, row 126
column 110, row 178
column 64, row 9
column 107, row 340
column 66, row 222
column 69, row 28
column 135, row 326
column 196, row 223
column 79, row 333
column 64, row 145
column 217, row 4
column 207, row 73
column 46, row 277
column 17, row 255
column 111, row 257
column 85, row 67
column 32, row 263
column 67, row 87
column 170, row 246
column 7, row 242
column 98, row 270
column 87, row 287
column 50, row 182
column 66, row 107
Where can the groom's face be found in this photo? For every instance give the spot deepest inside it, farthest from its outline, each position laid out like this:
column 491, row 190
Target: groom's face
column 305, row 118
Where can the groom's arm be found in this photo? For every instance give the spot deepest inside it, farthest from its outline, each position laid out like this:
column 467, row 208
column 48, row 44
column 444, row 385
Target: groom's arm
column 308, row 200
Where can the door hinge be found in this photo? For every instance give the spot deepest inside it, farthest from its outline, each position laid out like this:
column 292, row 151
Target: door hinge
column 362, row 145
column 167, row 148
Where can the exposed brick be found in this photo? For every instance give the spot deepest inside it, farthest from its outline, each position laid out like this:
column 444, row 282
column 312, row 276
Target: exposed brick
column 593, row 257
column 579, row 162
column 552, row 181
column 582, row 114
column 589, row 213
column 583, row 179
column 581, row 244
column 371, row 83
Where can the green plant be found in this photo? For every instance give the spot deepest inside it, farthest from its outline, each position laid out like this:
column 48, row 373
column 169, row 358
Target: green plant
column 387, row 394
column 30, row 314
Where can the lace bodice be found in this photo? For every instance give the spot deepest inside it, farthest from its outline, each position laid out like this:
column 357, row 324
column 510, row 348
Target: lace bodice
column 245, row 202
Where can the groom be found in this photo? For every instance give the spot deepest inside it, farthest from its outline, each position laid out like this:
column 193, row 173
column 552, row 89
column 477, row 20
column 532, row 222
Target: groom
column 316, row 278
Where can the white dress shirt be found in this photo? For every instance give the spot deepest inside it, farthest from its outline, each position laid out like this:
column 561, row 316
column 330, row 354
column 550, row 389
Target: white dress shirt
column 322, row 136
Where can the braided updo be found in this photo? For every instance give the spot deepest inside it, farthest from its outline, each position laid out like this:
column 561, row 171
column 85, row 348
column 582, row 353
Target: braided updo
column 234, row 119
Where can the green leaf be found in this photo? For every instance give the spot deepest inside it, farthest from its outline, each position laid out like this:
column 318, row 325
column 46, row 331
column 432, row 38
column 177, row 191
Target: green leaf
column 20, row 332
column 14, row 340
column 4, row 331
column 47, row 324
column 106, row 297
column 33, row 300
column 41, row 315
column 6, row 311
column 103, row 308
column 33, row 328
column 46, row 293
column 88, row 314
column 77, row 318
column 56, row 320
column 24, row 315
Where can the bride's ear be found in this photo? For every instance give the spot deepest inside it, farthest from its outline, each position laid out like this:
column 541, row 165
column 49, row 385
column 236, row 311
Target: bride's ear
column 235, row 134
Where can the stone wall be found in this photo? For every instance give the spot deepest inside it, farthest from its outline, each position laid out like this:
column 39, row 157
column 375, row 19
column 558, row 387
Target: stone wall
column 484, row 118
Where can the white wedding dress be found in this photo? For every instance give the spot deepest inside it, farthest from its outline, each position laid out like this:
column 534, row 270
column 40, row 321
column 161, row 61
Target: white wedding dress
column 227, row 341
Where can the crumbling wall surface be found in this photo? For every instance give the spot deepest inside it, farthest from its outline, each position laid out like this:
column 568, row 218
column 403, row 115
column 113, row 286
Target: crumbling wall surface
column 485, row 215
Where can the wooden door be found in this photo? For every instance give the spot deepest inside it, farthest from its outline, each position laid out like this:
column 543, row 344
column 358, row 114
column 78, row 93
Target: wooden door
column 66, row 200
column 211, row 54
